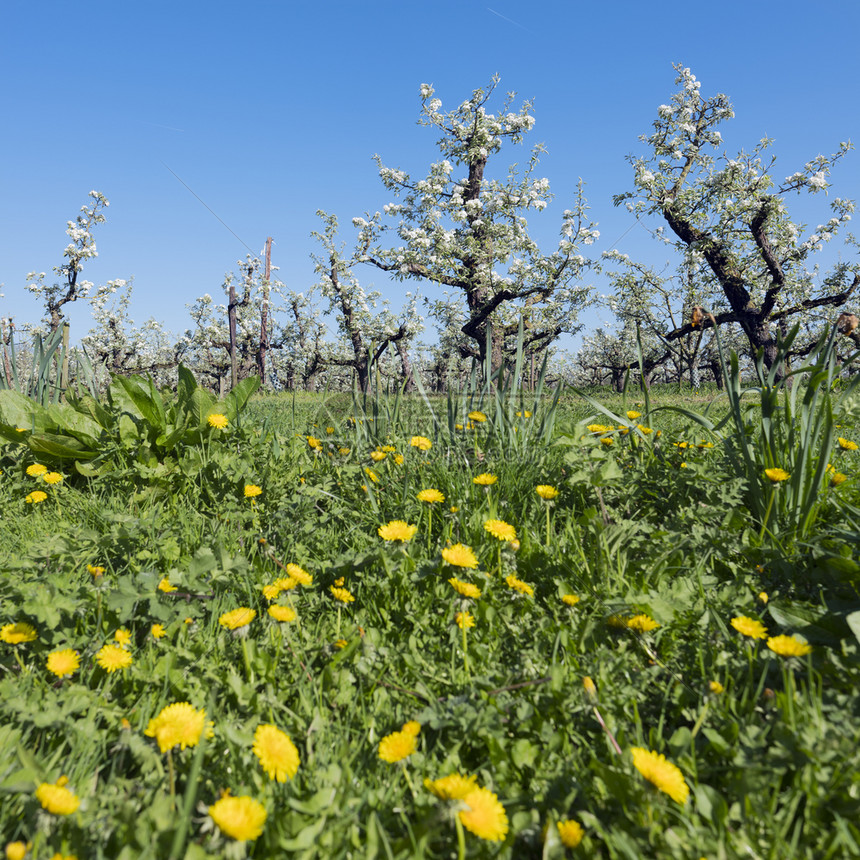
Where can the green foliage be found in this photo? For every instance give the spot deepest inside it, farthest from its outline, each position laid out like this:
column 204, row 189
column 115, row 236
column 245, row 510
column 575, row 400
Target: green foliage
column 653, row 526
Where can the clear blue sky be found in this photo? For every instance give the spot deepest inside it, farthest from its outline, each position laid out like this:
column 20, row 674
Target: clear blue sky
column 272, row 110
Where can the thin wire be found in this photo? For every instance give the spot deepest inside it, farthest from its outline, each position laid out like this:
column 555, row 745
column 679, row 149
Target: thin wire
column 211, row 210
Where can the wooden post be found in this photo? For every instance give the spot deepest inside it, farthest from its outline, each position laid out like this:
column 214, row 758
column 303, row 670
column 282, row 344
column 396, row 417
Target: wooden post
column 264, row 315
column 7, row 366
column 231, row 322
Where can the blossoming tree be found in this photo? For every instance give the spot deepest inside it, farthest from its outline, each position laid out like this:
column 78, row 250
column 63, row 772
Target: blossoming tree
column 366, row 329
column 729, row 216
column 82, row 247
column 461, row 229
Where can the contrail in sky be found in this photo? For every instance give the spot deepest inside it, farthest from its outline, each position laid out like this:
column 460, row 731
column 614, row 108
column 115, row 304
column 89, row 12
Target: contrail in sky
column 510, row 21
column 159, row 125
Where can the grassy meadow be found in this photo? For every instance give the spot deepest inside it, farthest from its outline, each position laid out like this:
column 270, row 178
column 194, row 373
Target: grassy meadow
column 492, row 625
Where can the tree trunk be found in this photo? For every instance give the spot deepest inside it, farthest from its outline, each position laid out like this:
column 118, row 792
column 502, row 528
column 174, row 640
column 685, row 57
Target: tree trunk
column 717, row 372
column 362, row 375
column 406, row 365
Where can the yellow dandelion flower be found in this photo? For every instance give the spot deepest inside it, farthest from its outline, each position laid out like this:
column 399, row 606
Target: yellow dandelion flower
column 252, row 490
column 216, row 420
column 240, row 818
column 299, row 574
column 646, row 430
column 340, row 643
column 422, row 443
column 282, row 613
column 607, row 440
column 56, row 798
column 18, row 633
column 314, row 443
column 63, row 662
column 763, row 596
column 485, row 480
column 180, row 724
column 398, row 458
column 716, row 687
column 271, row 592
column 661, row 773
column 464, row 620
column 17, row 850
column 749, row 627
column 341, row 594
column 570, row 832
column 451, row 787
column 95, row 571
column 788, row 646
column 459, row 555
column 430, row 496
column 277, row 753
column 501, row 530
column 589, row 687
column 546, row 492
column 35, row 497
column 158, row 631
column 846, row 444
column 413, row 727
column 837, row 478
column 113, row 657
column 236, row 618
column 165, row 585
column 285, row 583
column 518, row 585
column 52, row 478
column 378, row 456
column 465, row 588
column 477, row 416
column 123, row 637
column 632, row 416
column 36, row 470
column 397, row 746
column 397, row 530
column 343, row 451
column 484, row 815
column 776, row 475
column 570, row 599
column 371, row 474
column 340, row 581
column 642, row 623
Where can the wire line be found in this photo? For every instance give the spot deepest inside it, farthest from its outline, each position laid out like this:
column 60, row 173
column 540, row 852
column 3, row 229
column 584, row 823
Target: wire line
column 211, row 210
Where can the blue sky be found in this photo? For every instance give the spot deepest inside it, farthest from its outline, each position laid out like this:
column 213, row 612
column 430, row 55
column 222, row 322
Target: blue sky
column 272, row 110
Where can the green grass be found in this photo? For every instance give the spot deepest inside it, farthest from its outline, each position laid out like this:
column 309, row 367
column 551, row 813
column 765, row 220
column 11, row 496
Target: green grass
column 641, row 527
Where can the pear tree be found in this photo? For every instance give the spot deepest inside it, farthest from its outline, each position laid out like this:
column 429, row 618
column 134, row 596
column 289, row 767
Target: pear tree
column 729, row 218
column 461, row 229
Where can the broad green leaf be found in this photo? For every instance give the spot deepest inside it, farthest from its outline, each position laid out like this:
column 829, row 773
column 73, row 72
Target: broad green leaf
column 60, row 446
